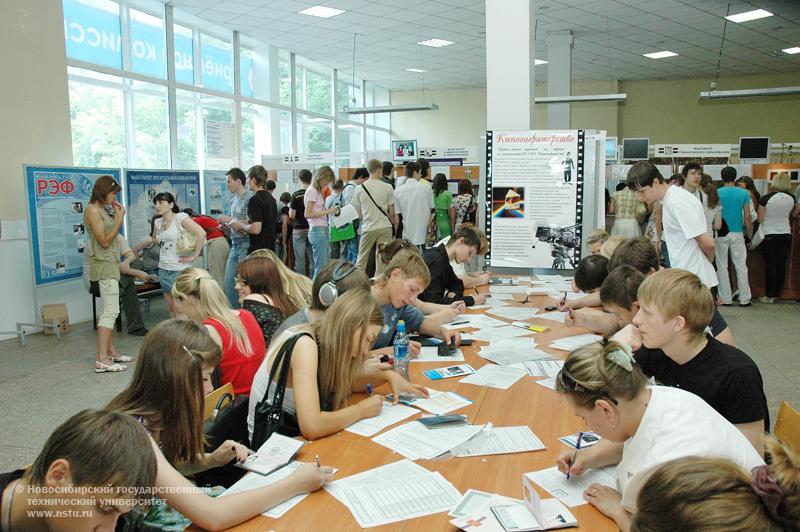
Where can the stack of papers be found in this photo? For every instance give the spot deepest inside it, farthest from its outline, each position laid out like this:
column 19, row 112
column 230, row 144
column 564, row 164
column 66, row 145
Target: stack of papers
column 513, row 357
column 500, row 440
column 570, row 492
column 252, row 482
column 500, row 377
column 476, row 502
column 543, row 367
column 479, row 321
column 514, row 313
column 394, row 492
column 501, row 289
column 390, row 414
column 499, row 333
column 570, row 343
column 274, row 454
column 431, row 354
column 439, row 403
column 415, row 441
column 555, row 316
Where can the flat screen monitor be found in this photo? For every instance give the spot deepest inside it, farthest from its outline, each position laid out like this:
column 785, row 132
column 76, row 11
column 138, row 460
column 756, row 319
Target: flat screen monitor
column 611, row 148
column 404, row 150
column 754, row 148
column 635, row 149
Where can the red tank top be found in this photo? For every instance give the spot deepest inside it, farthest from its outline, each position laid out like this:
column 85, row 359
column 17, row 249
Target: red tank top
column 236, row 367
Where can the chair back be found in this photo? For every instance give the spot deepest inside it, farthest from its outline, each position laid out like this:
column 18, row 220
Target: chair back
column 213, row 398
column 787, row 427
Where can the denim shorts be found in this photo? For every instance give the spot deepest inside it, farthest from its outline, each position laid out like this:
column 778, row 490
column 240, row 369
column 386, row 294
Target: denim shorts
column 167, row 279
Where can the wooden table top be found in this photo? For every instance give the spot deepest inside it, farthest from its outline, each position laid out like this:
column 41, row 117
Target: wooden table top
column 524, row 403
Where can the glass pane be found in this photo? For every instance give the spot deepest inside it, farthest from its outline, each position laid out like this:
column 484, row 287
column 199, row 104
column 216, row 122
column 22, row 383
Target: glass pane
column 256, row 133
column 92, row 31
column 217, row 63
column 148, row 50
column 349, row 95
column 187, row 109
column 286, row 132
column 314, row 135
column 246, row 72
column 382, row 119
column 184, row 55
column 284, row 76
column 150, row 125
column 370, row 139
column 219, row 128
column 348, row 138
column 98, row 124
column 318, row 92
column 382, row 140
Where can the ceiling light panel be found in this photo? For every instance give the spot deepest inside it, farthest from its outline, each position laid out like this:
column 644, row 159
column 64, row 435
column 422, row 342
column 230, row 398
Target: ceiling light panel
column 795, row 50
column 436, row 43
column 418, row 70
column 321, row 11
column 660, row 55
column 747, row 16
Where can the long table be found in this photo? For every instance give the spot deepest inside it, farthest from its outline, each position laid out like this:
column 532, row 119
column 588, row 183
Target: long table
column 525, row 403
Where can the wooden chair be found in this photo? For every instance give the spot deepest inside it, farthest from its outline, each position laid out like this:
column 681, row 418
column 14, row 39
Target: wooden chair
column 211, row 399
column 787, row 427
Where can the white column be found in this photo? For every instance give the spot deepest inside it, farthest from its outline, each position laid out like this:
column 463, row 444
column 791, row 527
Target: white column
column 510, row 81
column 559, row 78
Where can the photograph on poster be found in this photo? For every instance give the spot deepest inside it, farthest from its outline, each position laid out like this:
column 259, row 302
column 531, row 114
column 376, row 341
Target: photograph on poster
column 794, row 174
column 563, row 242
column 508, row 202
column 77, row 207
column 216, row 192
column 77, row 229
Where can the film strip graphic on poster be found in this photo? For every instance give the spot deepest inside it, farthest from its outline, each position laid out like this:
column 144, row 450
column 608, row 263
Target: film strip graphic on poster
column 534, row 198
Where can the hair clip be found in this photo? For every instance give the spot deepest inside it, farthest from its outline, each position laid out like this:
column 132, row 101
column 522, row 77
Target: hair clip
column 622, row 356
column 191, row 355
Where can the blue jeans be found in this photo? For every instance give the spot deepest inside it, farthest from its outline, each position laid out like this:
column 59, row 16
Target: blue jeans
column 351, row 248
column 237, row 255
column 318, row 238
column 302, row 247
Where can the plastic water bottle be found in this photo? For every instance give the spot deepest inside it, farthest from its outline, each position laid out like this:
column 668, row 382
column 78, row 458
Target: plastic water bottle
column 401, row 349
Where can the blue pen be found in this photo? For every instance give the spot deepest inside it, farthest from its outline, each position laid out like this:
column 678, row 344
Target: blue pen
column 369, row 389
column 577, row 448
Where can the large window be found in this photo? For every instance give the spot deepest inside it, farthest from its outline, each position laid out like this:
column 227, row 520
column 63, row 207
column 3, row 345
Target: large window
column 314, row 135
column 97, row 112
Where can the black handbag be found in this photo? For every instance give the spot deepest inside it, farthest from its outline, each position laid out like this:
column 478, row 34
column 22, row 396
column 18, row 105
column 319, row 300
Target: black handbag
column 270, row 418
column 228, row 422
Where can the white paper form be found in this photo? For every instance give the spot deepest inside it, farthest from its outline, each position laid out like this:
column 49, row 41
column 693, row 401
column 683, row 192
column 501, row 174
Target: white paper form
column 430, row 353
column 275, row 453
column 551, row 278
column 500, row 440
column 415, row 441
column 570, row 492
column 440, row 403
column 478, row 321
column 347, row 215
column 549, row 383
column 500, row 377
column 476, row 502
column 394, row 492
column 514, row 357
column 514, row 313
column 554, row 316
column 493, row 334
column 571, row 343
column 544, row 367
column 390, row 414
column 497, row 300
column 253, row 481
column 502, row 289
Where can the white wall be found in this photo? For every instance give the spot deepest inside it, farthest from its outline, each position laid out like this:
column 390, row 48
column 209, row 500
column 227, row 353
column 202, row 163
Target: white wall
column 35, row 110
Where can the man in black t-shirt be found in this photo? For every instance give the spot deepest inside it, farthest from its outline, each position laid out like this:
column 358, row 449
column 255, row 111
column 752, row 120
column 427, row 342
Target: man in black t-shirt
column 297, row 211
column 670, row 344
column 261, row 211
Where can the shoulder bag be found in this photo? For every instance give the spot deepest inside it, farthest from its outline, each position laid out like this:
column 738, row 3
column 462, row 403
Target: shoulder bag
column 186, row 240
column 364, row 186
column 269, row 418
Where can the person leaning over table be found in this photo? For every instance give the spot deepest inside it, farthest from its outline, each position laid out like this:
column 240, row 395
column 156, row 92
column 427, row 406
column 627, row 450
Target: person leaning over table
column 461, row 248
column 165, row 395
column 471, row 279
column 642, row 426
column 327, row 366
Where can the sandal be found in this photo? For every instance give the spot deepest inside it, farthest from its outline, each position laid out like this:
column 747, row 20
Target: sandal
column 99, row 367
column 122, row 359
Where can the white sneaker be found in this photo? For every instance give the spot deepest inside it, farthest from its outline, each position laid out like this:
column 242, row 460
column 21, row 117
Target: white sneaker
column 765, row 299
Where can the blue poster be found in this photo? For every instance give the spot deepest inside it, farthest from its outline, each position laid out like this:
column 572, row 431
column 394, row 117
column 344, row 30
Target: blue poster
column 57, row 197
column 216, row 192
column 141, row 187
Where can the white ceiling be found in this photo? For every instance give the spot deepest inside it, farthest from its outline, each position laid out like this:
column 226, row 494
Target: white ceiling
column 610, row 36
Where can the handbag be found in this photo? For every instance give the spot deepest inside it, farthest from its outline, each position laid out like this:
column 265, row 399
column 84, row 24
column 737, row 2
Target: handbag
column 270, row 418
column 346, row 232
column 431, row 233
column 186, row 240
column 758, row 237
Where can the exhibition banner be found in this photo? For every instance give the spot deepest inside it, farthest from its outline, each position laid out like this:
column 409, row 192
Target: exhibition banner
column 57, row 197
column 534, row 198
column 215, row 184
column 141, row 187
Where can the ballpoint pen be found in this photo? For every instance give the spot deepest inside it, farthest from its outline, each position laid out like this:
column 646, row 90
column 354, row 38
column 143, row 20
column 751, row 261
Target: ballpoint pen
column 575, row 456
column 317, row 459
column 369, row 389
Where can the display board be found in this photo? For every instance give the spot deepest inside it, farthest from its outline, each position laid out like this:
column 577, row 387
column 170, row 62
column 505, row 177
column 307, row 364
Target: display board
column 141, row 187
column 215, row 192
column 534, row 195
column 57, row 197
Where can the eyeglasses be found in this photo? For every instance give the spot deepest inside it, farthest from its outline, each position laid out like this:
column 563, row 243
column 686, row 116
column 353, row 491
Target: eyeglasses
column 568, row 383
column 240, row 280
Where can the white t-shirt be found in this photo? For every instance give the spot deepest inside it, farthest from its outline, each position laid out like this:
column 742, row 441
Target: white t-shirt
column 414, row 201
column 777, row 207
column 677, row 424
column 372, row 218
column 167, row 239
column 683, row 219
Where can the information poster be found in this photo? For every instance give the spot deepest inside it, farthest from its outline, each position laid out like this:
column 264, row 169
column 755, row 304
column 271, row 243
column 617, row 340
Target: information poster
column 143, row 185
column 534, row 195
column 215, row 184
column 57, row 197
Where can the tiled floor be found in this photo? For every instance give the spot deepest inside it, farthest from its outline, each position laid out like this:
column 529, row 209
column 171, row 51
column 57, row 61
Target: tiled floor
column 47, row 381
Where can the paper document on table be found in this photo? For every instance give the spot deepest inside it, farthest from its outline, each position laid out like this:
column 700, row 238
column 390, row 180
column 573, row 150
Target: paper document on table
column 439, row 403
column 543, row 367
column 554, row 316
column 478, row 321
column 394, row 492
column 493, row 334
column 502, row 289
column 415, row 441
column 513, row 357
column 500, row 440
column 431, row 354
column 510, row 343
column 500, row 377
column 449, row 372
column 477, row 502
column 549, row 382
column 570, row 492
column 254, row 481
column 551, row 278
column 571, row 343
column 390, row 414
column 514, row 313
column 347, row 215
column 275, row 453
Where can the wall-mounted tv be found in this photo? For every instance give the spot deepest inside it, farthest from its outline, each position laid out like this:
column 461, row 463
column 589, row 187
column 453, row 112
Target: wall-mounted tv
column 754, row 148
column 404, row 150
column 611, row 149
column 635, row 149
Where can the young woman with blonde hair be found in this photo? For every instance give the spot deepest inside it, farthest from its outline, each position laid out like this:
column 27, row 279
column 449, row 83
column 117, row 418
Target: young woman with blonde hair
column 237, row 332
column 166, row 395
column 296, row 286
column 642, row 426
column 261, row 293
column 317, row 216
column 327, row 366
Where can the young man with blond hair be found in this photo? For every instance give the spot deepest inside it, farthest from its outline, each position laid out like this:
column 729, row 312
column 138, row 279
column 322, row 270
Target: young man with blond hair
column 669, row 337
column 374, row 201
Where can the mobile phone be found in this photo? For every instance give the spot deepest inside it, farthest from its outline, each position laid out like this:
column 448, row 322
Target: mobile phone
column 465, row 341
column 384, row 358
column 551, row 307
column 446, row 350
column 434, row 422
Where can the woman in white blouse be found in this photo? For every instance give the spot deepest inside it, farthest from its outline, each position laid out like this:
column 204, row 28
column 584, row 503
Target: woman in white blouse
column 774, row 211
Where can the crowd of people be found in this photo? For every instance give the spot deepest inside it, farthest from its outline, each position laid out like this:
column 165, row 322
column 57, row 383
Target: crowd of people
column 690, row 452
